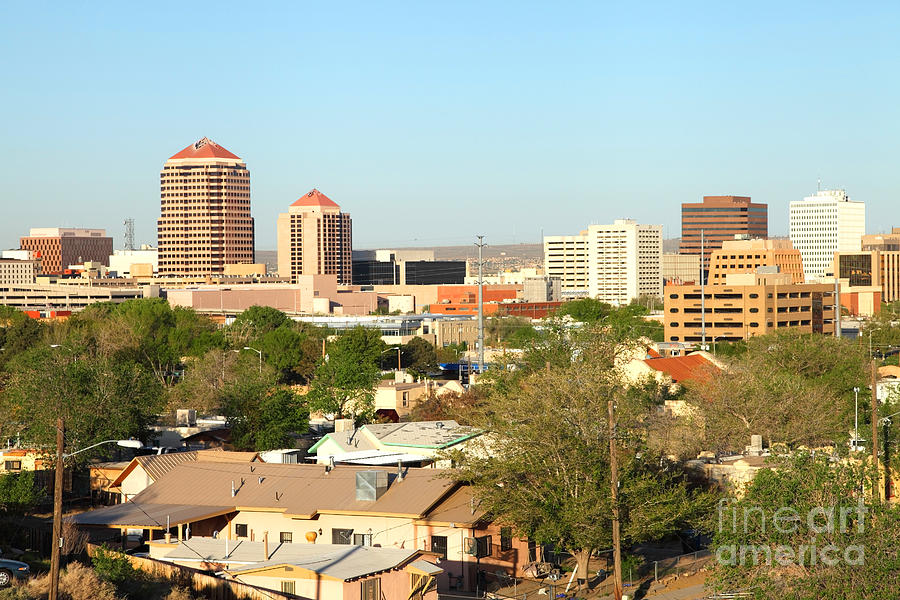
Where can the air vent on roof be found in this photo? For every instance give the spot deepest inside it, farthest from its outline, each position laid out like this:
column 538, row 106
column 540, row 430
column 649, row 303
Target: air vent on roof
column 371, row 485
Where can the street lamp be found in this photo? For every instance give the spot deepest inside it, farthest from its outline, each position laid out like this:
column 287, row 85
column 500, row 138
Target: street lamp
column 57, row 543
column 74, row 356
column 856, row 418
column 397, row 348
column 260, row 356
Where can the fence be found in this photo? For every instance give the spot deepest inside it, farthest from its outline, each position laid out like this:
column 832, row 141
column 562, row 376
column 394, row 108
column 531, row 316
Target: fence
column 678, row 565
column 208, row 586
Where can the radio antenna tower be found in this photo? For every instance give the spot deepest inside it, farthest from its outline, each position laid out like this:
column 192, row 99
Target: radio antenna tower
column 129, row 234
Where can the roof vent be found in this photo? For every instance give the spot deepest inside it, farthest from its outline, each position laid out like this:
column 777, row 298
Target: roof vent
column 371, row 485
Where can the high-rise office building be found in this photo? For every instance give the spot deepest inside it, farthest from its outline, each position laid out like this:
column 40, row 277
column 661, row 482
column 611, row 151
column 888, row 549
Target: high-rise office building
column 823, row 224
column 720, row 218
column 315, row 238
column 205, row 220
column 59, row 247
column 613, row 263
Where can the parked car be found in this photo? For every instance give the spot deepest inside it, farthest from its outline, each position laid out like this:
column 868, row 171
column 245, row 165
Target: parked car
column 12, row 569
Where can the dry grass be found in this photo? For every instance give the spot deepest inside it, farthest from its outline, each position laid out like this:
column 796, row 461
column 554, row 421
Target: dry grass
column 77, row 582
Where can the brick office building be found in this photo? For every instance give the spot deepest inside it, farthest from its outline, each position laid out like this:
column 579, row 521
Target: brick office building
column 59, row 247
column 720, row 218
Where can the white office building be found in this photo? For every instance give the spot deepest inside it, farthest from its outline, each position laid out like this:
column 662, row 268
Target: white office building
column 823, row 224
column 613, row 263
column 566, row 258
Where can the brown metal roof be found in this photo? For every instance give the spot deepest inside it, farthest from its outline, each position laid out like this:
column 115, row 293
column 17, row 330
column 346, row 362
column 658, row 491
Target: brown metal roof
column 460, row 508
column 148, row 516
column 157, row 465
column 297, row 490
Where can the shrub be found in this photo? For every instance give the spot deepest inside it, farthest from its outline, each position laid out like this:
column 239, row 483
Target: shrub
column 113, row 566
column 77, row 582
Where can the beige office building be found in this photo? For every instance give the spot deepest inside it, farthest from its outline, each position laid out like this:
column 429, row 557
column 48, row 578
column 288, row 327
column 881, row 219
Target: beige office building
column 680, row 268
column 746, row 305
column 872, row 268
column 205, row 220
column 746, row 256
column 614, row 263
column 315, row 238
column 882, row 241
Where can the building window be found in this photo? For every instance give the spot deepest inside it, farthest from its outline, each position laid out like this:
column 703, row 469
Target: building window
column 288, row 587
column 240, row 530
column 362, row 539
column 505, row 538
column 370, row 589
column 286, row 537
column 341, row 536
column 13, row 465
column 439, row 545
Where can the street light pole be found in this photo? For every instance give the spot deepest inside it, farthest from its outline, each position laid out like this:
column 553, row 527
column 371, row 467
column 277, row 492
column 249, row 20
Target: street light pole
column 57, row 541
column 856, row 418
column 260, row 357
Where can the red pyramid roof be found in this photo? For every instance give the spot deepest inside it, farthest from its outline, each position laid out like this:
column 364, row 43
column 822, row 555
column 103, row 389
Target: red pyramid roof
column 315, row 198
column 205, row 148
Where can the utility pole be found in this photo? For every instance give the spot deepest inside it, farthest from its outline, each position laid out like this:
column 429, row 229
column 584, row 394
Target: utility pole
column 481, row 246
column 614, row 485
column 887, row 473
column 56, row 541
column 702, row 293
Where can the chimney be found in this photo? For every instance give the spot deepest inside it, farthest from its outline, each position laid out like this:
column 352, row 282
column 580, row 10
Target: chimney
column 232, row 488
column 399, row 470
column 266, row 545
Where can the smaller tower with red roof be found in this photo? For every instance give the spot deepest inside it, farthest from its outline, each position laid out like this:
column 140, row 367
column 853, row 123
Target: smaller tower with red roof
column 315, row 238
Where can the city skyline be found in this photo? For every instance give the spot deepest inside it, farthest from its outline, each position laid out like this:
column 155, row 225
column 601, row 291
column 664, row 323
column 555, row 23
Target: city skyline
column 459, row 110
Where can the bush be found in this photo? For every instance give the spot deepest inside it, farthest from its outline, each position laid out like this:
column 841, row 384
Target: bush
column 113, row 567
column 178, row 593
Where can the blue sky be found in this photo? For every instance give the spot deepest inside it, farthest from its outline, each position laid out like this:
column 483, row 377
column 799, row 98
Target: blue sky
column 433, row 122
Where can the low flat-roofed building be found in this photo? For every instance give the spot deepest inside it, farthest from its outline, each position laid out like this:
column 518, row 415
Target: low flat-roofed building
column 879, row 268
column 747, row 305
column 69, row 296
column 309, row 570
column 17, row 272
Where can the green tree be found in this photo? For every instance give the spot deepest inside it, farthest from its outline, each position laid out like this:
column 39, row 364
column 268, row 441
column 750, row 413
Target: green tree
column 544, row 465
column 418, row 355
column 263, row 417
column 344, row 383
column 787, row 386
column 256, row 321
column 18, row 493
column 806, row 505
column 18, row 333
column 99, row 397
column 291, row 353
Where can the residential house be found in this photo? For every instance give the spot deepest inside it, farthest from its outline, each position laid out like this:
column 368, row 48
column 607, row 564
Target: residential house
column 395, row 400
column 144, row 470
column 407, row 509
column 425, row 440
column 307, row 570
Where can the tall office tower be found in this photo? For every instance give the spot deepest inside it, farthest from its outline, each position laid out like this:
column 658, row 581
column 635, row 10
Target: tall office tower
column 315, row 238
column 205, row 220
column 613, row 263
column 59, row 247
column 823, row 224
column 566, row 258
column 720, row 218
